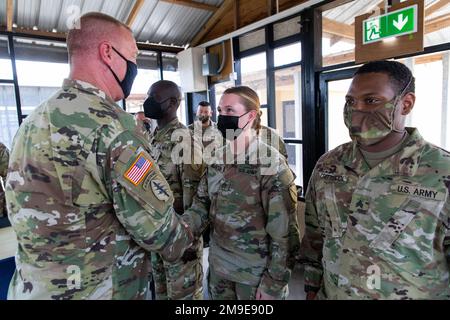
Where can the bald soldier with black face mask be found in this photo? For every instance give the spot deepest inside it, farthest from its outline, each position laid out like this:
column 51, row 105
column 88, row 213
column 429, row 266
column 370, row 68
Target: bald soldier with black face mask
column 180, row 280
column 82, row 191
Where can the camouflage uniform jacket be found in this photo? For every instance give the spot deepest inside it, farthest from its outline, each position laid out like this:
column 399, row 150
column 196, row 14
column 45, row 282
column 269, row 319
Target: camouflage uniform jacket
column 254, row 230
column 380, row 233
column 82, row 199
column 183, row 177
column 272, row 138
column 4, row 158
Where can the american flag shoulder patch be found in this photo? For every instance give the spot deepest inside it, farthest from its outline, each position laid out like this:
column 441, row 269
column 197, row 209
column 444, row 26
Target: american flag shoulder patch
column 138, row 170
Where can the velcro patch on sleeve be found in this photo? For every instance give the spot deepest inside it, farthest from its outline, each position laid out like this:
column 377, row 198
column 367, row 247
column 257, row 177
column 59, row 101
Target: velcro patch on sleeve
column 139, row 169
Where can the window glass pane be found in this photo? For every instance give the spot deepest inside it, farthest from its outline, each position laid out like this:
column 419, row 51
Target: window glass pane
column 253, row 72
column 265, row 117
column 5, row 62
column 219, row 89
column 437, row 29
column 171, row 73
column 38, row 81
column 337, row 131
column 148, row 73
column 286, row 28
column 170, row 68
column 252, row 40
column 288, row 54
column 288, row 102
column 431, row 114
column 141, row 85
column 295, row 159
column 8, row 114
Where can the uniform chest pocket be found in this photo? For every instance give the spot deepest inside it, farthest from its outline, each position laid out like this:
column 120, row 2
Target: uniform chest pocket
column 425, row 212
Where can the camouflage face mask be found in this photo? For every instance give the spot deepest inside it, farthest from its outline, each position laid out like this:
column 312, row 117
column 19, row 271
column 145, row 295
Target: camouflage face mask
column 370, row 127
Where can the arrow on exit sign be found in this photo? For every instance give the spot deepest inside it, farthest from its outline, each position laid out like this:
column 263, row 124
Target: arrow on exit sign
column 392, row 24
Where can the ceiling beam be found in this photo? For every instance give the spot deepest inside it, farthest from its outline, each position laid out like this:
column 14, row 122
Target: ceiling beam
column 437, row 23
column 61, row 37
column 9, row 14
column 237, row 18
column 338, row 28
column 271, row 7
column 438, row 5
column 226, row 6
column 193, row 4
column 134, row 12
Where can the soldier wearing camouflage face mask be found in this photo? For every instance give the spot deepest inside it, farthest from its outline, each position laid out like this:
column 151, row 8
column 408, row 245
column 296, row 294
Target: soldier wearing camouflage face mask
column 378, row 208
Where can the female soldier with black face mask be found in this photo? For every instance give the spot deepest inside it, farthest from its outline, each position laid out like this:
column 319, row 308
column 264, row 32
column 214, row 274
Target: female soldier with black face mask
column 249, row 198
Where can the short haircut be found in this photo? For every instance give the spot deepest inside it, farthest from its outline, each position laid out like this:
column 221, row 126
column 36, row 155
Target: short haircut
column 400, row 76
column 204, row 104
column 90, row 34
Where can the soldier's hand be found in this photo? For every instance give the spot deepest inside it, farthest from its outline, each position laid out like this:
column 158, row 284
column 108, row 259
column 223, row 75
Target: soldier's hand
column 261, row 295
column 189, row 255
column 311, row 295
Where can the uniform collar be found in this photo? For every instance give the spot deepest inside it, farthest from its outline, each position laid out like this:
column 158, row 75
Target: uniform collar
column 404, row 163
column 87, row 88
column 172, row 124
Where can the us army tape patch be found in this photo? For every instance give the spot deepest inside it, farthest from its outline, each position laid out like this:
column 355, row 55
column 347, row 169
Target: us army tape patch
column 418, row 192
column 138, row 170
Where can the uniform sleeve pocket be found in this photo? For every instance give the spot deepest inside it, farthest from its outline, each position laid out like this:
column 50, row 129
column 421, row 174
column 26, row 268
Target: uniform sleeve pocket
column 333, row 219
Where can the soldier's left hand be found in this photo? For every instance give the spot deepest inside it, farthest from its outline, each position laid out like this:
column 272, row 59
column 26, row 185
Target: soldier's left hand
column 261, row 295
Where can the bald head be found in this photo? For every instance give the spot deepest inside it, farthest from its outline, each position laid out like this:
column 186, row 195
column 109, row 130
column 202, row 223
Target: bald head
column 100, row 52
column 95, row 28
column 165, row 89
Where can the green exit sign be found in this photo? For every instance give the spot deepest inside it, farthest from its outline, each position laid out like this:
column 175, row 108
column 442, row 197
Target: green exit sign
column 393, row 24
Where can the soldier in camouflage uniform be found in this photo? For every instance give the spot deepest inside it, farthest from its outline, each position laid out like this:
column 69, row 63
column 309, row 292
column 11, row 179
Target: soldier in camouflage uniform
column 4, row 158
column 272, row 138
column 378, row 208
column 251, row 211
column 86, row 200
column 204, row 128
column 181, row 280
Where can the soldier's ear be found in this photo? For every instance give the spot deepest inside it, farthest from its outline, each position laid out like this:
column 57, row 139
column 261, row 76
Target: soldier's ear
column 407, row 103
column 105, row 52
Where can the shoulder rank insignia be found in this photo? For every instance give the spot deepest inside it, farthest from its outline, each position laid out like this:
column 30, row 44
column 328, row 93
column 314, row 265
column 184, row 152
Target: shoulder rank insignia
column 160, row 190
column 138, row 170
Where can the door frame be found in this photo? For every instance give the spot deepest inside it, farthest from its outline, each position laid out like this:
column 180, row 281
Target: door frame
column 324, row 79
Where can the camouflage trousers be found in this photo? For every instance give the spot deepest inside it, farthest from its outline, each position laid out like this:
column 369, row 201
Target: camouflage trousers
column 223, row 289
column 178, row 280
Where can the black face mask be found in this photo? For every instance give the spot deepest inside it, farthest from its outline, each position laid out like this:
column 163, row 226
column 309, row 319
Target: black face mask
column 127, row 83
column 225, row 123
column 153, row 109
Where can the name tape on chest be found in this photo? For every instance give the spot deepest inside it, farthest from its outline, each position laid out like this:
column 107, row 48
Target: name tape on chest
column 419, row 192
column 139, row 169
column 330, row 177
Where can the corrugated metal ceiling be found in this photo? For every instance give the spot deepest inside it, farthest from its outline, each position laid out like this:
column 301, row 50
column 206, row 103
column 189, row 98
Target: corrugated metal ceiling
column 157, row 21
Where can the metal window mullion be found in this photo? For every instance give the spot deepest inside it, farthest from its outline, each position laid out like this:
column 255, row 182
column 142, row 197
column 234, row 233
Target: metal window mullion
column 12, row 56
